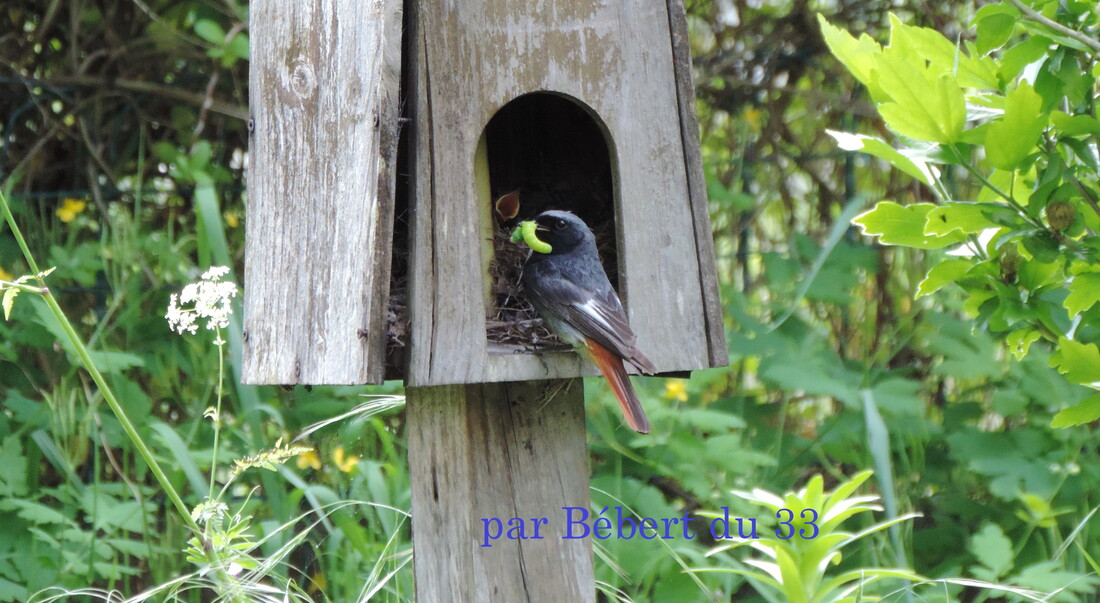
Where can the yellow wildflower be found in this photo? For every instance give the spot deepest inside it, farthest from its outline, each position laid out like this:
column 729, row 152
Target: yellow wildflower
column 676, row 390
column 70, row 208
column 232, row 219
column 5, row 275
column 310, row 459
column 343, row 463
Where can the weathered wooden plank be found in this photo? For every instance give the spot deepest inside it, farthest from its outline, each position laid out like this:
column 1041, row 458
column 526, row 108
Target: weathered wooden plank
column 656, row 234
column 718, row 352
column 498, row 451
column 475, row 56
column 324, row 81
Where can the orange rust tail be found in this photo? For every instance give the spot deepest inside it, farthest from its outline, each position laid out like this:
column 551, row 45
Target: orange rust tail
column 612, row 368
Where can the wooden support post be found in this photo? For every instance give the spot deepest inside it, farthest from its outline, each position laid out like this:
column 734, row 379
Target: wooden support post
column 498, row 451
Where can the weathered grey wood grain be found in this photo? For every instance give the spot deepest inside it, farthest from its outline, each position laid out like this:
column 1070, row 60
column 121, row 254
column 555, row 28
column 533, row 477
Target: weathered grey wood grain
column 616, row 58
column 324, row 83
column 498, row 451
column 697, row 185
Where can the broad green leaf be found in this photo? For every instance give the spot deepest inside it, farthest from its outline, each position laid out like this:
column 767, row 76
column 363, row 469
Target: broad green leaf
column 995, row 23
column 857, row 55
column 1008, row 141
column 943, row 274
column 1035, row 275
column 992, row 549
column 943, row 56
column 903, row 225
column 977, row 71
column 922, row 106
column 1085, row 411
column 1079, row 362
column 915, row 167
column 1075, row 125
column 924, row 44
column 1018, row 57
column 1084, row 291
column 1042, row 246
column 977, row 299
column 968, row 218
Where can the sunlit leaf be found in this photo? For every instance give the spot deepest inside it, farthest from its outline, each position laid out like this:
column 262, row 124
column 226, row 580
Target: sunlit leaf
column 895, row 224
column 1085, row 411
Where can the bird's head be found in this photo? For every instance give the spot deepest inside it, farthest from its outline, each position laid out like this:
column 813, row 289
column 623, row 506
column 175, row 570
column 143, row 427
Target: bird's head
column 561, row 231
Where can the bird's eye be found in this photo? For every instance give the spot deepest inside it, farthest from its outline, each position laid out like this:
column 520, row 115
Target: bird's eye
column 560, row 224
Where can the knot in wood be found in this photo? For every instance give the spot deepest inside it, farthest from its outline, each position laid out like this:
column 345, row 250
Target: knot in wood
column 303, row 80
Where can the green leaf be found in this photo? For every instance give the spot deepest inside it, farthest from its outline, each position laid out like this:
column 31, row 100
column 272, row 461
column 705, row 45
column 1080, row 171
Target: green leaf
column 920, row 101
column 992, row 549
column 968, row 218
column 1042, row 246
column 1019, row 342
column 943, row 56
column 903, row 225
column 1079, row 362
column 857, row 55
column 9, row 301
column 1084, row 292
column 924, row 44
column 1085, row 411
column 913, row 166
column 210, row 31
column 10, row 591
column 1048, row 576
column 13, row 468
column 943, row 274
column 33, row 512
column 995, row 23
column 114, row 362
column 1018, row 57
column 1075, row 125
column 922, row 106
column 238, row 48
column 1009, row 140
column 107, row 362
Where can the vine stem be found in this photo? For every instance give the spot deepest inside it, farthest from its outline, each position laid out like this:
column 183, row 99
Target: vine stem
column 97, row 377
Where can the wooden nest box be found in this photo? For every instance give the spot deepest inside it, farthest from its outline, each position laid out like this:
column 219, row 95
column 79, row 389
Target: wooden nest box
column 364, row 263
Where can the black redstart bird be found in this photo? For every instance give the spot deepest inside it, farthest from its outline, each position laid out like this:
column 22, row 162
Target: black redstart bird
column 567, row 285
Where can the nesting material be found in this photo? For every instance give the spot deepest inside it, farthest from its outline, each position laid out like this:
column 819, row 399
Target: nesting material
column 512, row 323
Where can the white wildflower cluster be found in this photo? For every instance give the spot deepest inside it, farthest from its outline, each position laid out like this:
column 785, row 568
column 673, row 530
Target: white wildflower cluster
column 211, row 300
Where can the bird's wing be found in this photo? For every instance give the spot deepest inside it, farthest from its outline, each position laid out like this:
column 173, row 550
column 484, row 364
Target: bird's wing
column 596, row 316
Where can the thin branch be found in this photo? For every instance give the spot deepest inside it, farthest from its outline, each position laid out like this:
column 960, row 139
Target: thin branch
column 1058, row 27
column 224, row 108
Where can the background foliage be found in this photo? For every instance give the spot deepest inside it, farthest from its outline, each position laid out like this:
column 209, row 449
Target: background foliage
column 124, row 137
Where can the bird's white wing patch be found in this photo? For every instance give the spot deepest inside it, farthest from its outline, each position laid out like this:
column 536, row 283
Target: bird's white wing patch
column 593, row 311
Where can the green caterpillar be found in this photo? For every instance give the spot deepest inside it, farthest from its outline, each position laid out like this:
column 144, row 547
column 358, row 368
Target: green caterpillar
column 526, row 231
